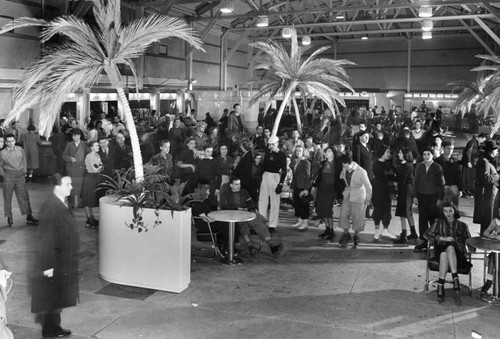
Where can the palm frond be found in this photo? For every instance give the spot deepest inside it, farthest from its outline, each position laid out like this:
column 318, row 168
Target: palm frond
column 141, row 33
column 21, row 23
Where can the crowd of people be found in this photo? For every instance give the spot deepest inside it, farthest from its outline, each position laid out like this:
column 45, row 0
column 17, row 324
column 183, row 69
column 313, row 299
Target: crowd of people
column 359, row 164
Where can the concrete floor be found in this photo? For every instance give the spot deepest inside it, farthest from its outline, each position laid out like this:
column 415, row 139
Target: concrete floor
column 313, row 290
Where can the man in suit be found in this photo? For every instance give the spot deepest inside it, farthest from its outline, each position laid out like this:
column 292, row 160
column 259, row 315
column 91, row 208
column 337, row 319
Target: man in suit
column 357, row 195
column 236, row 121
column 55, row 284
column 108, row 157
column 123, row 152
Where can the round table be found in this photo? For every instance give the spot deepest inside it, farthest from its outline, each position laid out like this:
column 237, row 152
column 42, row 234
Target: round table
column 231, row 217
column 492, row 245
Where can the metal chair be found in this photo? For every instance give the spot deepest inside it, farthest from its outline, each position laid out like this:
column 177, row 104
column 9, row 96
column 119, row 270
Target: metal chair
column 201, row 250
column 432, row 264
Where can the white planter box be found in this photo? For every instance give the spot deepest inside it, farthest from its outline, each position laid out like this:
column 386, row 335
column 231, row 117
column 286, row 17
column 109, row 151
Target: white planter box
column 159, row 259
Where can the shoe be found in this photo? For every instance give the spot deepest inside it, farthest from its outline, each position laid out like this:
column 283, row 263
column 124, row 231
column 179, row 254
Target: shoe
column 386, row 234
column 31, row 220
column 272, row 229
column 485, row 288
column 10, row 221
column 376, row 234
column 355, row 242
column 440, row 293
column 329, row 237
column 421, row 247
column 304, row 226
column 92, row 223
column 297, row 224
column 253, row 248
column 276, row 250
column 60, row 333
column 325, row 233
column 413, row 235
column 402, row 240
column 346, row 237
column 456, row 284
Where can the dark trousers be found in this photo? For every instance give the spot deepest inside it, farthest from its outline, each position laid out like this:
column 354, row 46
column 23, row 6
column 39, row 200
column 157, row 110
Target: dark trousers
column 300, row 204
column 382, row 212
column 51, row 322
column 428, row 212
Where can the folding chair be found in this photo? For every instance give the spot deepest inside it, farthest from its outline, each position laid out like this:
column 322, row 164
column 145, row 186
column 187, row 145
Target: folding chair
column 432, row 264
column 202, row 251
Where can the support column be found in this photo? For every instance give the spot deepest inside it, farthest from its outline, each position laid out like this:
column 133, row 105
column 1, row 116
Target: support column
column 223, row 63
column 335, row 48
column 408, row 69
column 139, row 13
column 189, row 62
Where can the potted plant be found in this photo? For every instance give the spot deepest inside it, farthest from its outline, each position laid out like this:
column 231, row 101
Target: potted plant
column 145, row 237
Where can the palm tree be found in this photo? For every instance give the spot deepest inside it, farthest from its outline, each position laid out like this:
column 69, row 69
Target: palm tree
column 84, row 54
column 283, row 73
column 470, row 93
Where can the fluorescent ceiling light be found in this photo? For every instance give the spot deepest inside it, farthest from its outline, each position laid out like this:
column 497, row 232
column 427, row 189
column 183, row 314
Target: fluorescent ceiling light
column 226, row 6
column 364, row 37
column 426, row 35
column 427, row 25
column 306, row 40
column 286, row 32
column 425, row 12
column 262, row 21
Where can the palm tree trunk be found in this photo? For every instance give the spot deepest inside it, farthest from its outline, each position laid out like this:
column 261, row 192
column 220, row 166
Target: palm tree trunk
column 134, row 138
column 297, row 115
column 274, row 132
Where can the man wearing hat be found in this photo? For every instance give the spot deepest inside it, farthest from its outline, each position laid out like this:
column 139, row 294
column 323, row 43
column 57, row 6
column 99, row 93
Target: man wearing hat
column 274, row 168
column 486, row 182
column 469, row 158
column 451, row 172
column 74, row 156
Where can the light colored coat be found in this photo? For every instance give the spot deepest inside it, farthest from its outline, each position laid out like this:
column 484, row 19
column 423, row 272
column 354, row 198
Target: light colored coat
column 360, row 189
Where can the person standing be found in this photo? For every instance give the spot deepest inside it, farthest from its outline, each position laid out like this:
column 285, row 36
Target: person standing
column 94, row 166
column 31, row 140
column 486, row 184
column 325, row 181
column 108, row 157
column 404, row 179
column 301, row 185
column 74, row 156
column 428, row 192
column 357, row 196
column 236, row 121
column 55, row 278
column 165, row 160
column 274, row 169
column 470, row 156
column 451, row 172
column 13, row 169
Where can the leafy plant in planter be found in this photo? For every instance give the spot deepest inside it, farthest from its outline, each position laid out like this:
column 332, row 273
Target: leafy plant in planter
column 154, row 192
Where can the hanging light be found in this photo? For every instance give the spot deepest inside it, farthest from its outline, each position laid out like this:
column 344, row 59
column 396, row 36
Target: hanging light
column 426, row 35
column 286, row 32
column 427, row 25
column 340, row 16
column 425, row 12
column 262, row 21
column 364, row 37
column 306, row 40
column 226, row 6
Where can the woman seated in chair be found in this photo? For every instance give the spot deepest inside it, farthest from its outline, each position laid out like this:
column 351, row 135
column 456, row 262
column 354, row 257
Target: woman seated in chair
column 449, row 235
column 200, row 209
column 492, row 232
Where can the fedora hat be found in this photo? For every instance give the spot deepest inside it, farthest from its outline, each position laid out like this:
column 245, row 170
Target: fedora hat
column 489, row 146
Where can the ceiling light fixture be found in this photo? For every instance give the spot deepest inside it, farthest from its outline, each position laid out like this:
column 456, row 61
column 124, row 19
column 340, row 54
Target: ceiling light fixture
column 427, row 25
column 226, row 6
column 425, row 12
column 364, row 37
column 426, row 35
column 340, row 16
column 286, row 32
column 306, row 40
column 262, row 21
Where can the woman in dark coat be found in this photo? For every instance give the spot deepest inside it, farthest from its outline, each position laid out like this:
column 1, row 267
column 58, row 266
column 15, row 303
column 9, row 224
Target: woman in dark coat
column 301, row 185
column 486, row 186
column 325, row 197
column 404, row 179
column 449, row 236
column 55, row 275
column 383, row 174
column 74, row 156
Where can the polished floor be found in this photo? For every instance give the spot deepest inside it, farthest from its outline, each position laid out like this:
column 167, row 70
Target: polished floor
column 313, row 290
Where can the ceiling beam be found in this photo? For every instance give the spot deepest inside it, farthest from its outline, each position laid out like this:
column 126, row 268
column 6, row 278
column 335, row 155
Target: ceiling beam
column 488, row 30
column 322, row 10
column 478, row 38
column 372, row 21
column 383, row 31
column 491, row 9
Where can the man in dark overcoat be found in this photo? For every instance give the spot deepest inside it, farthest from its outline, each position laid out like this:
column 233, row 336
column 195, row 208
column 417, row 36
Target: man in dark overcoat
column 55, row 276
